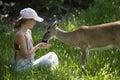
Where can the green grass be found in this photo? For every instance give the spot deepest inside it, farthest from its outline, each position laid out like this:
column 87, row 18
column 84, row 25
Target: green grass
column 102, row 65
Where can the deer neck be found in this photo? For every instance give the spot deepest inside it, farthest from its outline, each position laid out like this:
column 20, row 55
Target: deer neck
column 63, row 36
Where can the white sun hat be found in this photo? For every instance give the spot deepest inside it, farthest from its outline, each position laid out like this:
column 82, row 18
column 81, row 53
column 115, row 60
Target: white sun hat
column 29, row 13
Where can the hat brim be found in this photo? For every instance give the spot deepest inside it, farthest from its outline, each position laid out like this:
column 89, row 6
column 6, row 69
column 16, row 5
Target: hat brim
column 38, row 19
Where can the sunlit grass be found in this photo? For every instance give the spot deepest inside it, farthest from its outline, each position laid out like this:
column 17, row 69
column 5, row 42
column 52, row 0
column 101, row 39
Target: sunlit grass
column 102, row 65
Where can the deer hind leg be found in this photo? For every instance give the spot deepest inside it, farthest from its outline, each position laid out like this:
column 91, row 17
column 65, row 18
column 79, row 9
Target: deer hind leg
column 85, row 55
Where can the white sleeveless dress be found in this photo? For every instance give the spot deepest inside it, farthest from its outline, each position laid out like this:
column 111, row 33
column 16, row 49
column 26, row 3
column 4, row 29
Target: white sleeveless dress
column 50, row 60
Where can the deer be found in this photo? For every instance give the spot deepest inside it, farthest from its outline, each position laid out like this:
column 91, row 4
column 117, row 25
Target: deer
column 86, row 38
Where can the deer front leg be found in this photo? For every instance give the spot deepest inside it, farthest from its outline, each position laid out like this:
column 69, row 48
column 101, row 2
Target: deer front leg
column 85, row 54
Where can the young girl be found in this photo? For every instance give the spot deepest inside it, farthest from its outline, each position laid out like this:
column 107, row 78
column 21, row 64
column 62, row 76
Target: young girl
column 23, row 57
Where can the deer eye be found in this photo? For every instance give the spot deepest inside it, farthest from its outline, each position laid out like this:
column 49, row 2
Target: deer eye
column 48, row 32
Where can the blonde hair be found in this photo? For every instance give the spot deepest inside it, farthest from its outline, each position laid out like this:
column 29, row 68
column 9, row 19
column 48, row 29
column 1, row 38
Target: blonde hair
column 17, row 24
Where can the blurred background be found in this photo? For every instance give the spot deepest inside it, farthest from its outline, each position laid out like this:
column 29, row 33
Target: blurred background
column 9, row 9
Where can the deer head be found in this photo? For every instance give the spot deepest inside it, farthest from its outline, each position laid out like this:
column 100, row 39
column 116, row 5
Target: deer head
column 50, row 32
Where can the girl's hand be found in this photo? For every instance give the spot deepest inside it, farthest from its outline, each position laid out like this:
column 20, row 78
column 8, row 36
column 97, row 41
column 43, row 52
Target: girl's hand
column 44, row 45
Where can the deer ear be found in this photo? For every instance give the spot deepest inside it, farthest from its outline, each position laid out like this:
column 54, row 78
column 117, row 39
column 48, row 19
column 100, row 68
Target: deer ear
column 58, row 23
column 55, row 24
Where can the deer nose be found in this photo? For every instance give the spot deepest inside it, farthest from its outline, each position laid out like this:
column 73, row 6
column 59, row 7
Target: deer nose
column 45, row 41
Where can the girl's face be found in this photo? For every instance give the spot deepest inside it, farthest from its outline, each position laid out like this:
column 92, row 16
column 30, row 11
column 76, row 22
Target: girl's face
column 31, row 23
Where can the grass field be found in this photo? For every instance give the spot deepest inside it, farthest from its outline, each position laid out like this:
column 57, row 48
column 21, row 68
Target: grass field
column 102, row 65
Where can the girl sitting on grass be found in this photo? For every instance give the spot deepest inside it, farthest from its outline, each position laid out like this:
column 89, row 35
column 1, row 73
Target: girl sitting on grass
column 23, row 57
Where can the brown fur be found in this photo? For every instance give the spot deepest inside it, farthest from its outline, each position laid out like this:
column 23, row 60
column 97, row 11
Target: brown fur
column 87, row 37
